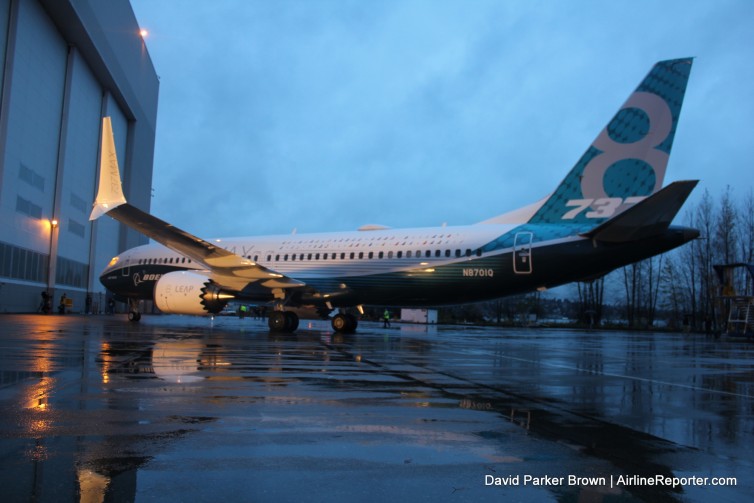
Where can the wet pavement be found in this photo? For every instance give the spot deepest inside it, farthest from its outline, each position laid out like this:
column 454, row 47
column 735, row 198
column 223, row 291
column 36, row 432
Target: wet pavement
column 184, row 409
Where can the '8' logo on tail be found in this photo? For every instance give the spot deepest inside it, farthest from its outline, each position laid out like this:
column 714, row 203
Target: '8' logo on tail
column 646, row 149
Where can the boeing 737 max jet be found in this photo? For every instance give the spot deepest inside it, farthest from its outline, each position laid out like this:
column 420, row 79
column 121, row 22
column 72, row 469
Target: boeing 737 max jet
column 609, row 211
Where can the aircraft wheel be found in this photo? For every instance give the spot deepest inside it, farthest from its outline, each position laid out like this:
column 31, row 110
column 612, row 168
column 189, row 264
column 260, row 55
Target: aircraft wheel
column 353, row 322
column 277, row 321
column 291, row 321
column 134, row 316
column 344, row 323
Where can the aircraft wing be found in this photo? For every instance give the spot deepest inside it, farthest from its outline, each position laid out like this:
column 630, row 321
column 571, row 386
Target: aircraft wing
column 646, row 218
column 227, row 268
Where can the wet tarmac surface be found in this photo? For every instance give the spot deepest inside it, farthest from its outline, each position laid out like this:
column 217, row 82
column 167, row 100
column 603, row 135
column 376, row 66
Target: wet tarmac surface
column 181, row 409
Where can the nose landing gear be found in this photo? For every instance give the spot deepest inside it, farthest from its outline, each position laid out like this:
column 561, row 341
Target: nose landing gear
column 133, row 310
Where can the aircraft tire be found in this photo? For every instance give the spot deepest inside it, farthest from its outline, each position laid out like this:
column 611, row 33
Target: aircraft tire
column 277, row 321
column 291, row 321
column 134, row 316
column 344, row 323
column 352, row 323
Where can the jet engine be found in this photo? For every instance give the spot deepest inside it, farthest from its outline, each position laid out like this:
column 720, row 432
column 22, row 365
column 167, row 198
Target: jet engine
column 186, row 292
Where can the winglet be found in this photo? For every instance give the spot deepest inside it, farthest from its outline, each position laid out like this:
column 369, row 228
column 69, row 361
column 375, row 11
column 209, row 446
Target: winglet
column 110, row 193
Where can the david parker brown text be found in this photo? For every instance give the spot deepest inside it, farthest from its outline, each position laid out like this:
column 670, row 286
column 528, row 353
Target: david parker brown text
column 612, row 481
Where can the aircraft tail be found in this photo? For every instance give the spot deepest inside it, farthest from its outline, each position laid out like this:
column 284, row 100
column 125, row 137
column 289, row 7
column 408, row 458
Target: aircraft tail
column 627, row 161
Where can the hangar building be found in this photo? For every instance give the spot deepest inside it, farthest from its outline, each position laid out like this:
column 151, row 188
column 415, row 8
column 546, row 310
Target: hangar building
column 65, row 64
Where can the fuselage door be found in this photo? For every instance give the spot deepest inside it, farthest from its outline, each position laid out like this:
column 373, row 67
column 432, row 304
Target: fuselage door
column 126, row 270
column 522, row 253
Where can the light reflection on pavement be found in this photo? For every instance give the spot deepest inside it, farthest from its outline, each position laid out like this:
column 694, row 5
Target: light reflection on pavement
column 180, row 408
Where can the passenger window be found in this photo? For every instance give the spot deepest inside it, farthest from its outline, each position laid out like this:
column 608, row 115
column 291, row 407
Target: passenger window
column 458, row 253
column 428, row 253
column 468, row 252
column 277, row 257
column 316, row 257
column 447, row 253
column 361, row 254
column 400, row 254
column 371, row 255
column 408, row 254
column 269, row 258
column 479, row 252
column 309, row 257
column 352, row 255
column 438, row 253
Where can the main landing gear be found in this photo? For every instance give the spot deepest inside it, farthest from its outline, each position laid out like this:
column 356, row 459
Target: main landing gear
column 283, row 321
column 287, row 322
column 345, row 323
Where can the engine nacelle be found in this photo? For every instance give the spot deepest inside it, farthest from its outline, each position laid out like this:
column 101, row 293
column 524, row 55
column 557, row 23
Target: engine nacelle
column 187, row 292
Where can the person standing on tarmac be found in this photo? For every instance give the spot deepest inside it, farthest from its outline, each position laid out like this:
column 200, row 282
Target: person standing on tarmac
column 45, row 305
column 386, row 319
column 61, row 307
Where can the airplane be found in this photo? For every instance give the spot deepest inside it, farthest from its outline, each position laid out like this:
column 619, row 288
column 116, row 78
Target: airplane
column 609, row 211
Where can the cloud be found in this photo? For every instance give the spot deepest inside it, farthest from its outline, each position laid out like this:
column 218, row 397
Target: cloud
column 328, row 115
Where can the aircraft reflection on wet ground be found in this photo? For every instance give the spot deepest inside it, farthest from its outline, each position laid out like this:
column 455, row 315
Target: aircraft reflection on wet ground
column 96, row 409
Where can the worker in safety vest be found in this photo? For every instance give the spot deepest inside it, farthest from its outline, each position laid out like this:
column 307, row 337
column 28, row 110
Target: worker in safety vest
column 386, row 319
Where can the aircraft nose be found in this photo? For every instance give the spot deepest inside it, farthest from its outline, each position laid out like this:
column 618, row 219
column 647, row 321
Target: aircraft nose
column 107, row 280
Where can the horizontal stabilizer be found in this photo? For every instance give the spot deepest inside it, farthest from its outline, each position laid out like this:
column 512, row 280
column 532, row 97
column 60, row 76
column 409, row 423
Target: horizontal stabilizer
column 646, row 218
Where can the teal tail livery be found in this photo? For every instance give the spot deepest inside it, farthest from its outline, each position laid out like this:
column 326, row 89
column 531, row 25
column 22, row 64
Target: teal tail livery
column 627, row 161
column 611, row 210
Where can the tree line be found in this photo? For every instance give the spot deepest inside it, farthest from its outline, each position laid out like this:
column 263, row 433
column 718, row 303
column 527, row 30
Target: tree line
column 687, row 285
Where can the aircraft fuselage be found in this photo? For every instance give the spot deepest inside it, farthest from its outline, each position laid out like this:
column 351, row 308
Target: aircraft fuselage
column 411, row 268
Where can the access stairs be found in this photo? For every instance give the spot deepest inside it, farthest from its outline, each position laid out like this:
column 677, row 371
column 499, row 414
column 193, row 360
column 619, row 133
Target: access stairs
column 740, row 308
column 741, row 316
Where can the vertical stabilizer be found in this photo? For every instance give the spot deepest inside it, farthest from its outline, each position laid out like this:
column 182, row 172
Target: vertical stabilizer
column 110, row 193
column 627, row 161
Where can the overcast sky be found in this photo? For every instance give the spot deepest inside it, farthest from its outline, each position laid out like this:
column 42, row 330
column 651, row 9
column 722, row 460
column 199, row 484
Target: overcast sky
column 327, row 115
